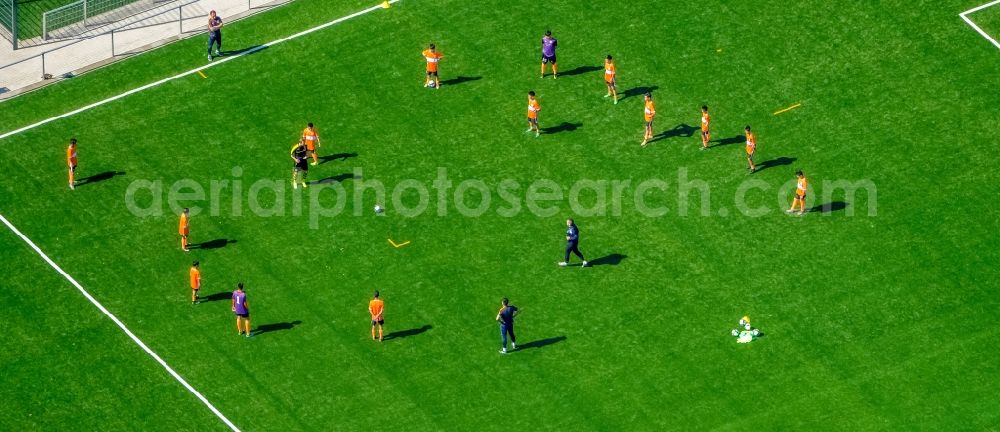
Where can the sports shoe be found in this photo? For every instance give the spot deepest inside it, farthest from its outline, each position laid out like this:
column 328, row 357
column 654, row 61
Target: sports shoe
column 186, row 250
column 295, row 185
column 72, row 186
column 553, row 76
column 584, row 264
column 529, row 130
column 607, row 95
column 209, row 57
column 562, row 263
column 802, row 213
column 537, row 134
column 616, row 101
column 304, row 185
column 503, row 350
column 248, row 334
column 789, row 211
column 313, row 164
column 218, row 53
column 513, row 346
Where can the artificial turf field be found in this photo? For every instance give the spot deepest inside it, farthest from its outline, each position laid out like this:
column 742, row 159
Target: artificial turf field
column 878, row 310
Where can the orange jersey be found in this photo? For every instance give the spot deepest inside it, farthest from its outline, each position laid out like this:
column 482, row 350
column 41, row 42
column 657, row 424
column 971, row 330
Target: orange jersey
column 71, row 156
column 375, row 308
column 311, row 137
column 533, row 108
column 432, row 58
column 184, row 226
column 751, row 143
column 609, row 71
column 705, row 120
column 195, row 278
column 800, row 188
column 649, row 111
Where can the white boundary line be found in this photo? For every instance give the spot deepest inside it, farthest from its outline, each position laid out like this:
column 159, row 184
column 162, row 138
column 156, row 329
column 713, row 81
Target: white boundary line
column 195, row 70
column 975, row 27
column 121, row 325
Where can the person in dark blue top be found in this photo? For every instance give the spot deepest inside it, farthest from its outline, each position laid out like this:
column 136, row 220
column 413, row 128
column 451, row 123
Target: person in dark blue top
column 214, row 34
column 572, row 241
column 506, row 319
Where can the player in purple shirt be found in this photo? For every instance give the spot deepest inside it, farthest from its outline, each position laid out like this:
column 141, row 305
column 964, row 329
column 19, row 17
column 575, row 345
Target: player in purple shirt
column 549, row 52
column 242, row 310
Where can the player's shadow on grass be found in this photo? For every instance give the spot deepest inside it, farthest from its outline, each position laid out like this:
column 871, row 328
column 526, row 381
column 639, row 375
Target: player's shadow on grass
column 334, row 179
column 782, row 161
column 225, row 295
column 726, row 141
column 564, row 127
column 580, row 70
column 613, row 259
column 828, row 207
column 267, row 328
column 460, row 79
column 683, row 130
column 541, row 343
column 335, row 156
column 107, row 175
column 406, row 333
column 211, row 244
column 248, row 50
column 637, row 91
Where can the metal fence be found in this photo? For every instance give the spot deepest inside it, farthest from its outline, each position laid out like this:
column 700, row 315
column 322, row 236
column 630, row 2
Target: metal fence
column 79, row 17
column 8, row 20
column 133, row 36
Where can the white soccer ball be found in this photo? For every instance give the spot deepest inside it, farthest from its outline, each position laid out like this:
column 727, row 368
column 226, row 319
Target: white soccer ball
column 756, row 332
column 430, row 84
column 378, row 209
column 743, row 322
column 747, row 326
column 735, row 332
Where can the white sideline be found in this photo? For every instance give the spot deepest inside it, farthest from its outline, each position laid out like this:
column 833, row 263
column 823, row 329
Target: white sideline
column 195, row 70
column 121, row 325
column 975, row 27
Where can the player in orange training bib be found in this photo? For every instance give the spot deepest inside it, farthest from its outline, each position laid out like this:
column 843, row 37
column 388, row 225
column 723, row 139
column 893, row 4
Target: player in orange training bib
column 800, row 194
column 649, row 112
column 533, row 109
column 610, row 72
column 751, row 148
column 375, row 308
column 71, row 161
column 706, row 133
column 195, row 276
column 311, row 137
column 184, row 229
column 433, row 57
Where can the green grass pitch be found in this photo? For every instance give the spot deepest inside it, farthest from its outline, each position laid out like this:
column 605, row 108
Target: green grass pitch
column 874, row 320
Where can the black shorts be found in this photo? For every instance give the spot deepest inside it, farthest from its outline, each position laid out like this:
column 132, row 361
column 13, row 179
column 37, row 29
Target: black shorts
column 432, row 73
column 548, row 59
column 73, row 168
column 246, row 315
column 801, row 197
column 302, row 165
column 533, row 120
column 379, row 322
column 649, row 124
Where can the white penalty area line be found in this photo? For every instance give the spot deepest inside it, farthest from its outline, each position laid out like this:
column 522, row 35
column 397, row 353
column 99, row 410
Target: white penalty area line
column 965, row 16
column 198, row 69
column 121, row 325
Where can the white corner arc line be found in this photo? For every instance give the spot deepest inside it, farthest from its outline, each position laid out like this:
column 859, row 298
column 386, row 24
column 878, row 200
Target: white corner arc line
column 121, row 325
column 195, row 70
column 965, row 17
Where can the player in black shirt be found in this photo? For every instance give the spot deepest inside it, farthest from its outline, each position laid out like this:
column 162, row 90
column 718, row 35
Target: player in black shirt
column 298, row 155
column 506, row 319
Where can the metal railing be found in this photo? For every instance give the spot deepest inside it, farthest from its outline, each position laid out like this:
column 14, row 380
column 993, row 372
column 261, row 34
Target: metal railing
column 131, row 37
column 81, row 14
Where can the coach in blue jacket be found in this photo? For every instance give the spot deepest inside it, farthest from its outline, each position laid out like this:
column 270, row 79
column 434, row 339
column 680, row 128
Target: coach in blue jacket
column 572, row 243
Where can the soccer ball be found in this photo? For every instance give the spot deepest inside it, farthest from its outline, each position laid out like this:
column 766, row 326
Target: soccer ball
column 378, row 209
column 756, row 332
column 430, row 84
column 743, row 322
column 747, row 326
column 735, row 332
